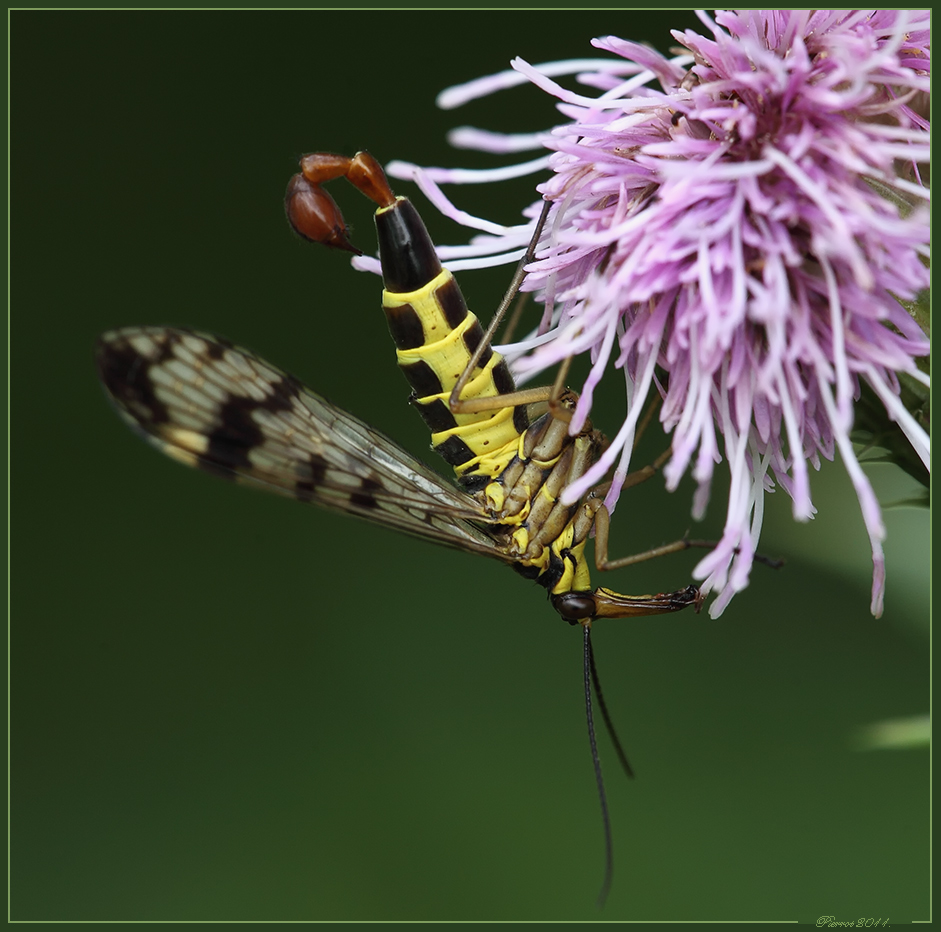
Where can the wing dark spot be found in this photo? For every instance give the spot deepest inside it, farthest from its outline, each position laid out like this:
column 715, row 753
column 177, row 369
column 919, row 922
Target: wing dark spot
column 125, row 374
column 306, row 488
column 215, row 349
column 364, row 497
column 231, row 443
column 167, row 349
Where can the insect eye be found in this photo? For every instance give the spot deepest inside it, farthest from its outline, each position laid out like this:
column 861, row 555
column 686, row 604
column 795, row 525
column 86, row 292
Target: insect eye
column 574, row 606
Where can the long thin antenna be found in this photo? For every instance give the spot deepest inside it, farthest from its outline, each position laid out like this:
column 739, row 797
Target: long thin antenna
column 596, row 762
column 607, row 718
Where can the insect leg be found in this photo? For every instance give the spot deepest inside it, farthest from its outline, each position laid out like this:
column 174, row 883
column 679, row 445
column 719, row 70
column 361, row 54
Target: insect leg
column 518, row 308
column 523, row 396
column 603, row 562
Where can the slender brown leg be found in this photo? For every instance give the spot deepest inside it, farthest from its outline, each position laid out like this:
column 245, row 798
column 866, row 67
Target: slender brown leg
column 603, row 562
column 645, row 420
column 455, row 402
column 513, row 322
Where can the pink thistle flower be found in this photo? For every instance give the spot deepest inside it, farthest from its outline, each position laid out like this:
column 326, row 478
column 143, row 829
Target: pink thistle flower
column 732, row 228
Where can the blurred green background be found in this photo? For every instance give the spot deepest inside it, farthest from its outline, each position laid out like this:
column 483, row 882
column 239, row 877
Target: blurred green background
column 227, row 706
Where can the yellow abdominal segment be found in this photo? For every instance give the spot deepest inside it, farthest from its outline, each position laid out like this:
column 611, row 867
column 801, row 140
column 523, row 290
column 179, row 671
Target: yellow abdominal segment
column 491, row 437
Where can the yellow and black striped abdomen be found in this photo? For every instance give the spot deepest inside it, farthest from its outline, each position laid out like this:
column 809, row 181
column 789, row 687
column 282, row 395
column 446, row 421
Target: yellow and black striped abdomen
column 435, row 336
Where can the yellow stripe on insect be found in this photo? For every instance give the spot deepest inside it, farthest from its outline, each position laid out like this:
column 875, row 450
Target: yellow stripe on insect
column 447, row 356
column 484, row 437
column 426, row 307
column 496, row 496
column 575, row 574
column 481, row 386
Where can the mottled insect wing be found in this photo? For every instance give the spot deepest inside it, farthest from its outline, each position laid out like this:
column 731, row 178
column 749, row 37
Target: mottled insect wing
column 220, row 408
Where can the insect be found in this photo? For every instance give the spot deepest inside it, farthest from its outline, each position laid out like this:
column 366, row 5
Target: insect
column 210, row 404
